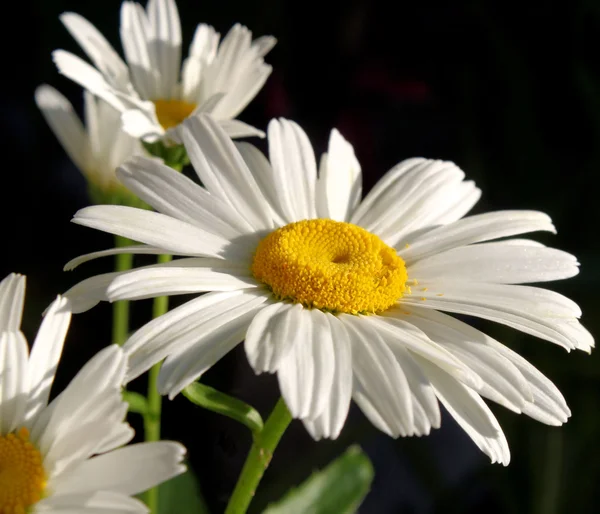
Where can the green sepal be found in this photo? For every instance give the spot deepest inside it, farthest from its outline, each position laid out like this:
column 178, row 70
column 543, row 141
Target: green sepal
column 337, row 489
column 137, row 402
column 221, row 403
column 174, row 156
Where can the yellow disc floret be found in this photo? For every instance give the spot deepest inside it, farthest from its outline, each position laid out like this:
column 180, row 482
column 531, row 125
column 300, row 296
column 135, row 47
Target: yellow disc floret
column 22, row 476
column 330, row 265
column 171, row 113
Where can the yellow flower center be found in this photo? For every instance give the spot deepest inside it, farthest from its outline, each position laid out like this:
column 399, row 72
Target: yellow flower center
column 171, row 113
column 22, row 476
column 330, row 265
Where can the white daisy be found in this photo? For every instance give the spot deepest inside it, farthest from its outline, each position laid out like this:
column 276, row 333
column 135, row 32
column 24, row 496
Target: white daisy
column 220, row 79
column 61, row 457
column 340, row 297
column 96, row 149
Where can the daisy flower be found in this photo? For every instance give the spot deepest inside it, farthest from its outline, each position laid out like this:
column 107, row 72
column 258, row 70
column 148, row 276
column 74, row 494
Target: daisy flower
column 62, row 456
column 217, row 78
column 96, row 149
column 340, row 297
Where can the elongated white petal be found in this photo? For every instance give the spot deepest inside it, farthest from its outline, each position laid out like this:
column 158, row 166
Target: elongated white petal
column 223, row 171
column 539, row 312
column 66, row 125
column 140, row 249
column 236, row 129
column 202, row 276
column 470, row 412
column 96, row 502
column 502, row 381
column 172, row 193
column 97, row 48
column 45, row 354
column 497, row 262
column 294, row 169
column 154, row 229
column 130, row 470
column 339, row 187
column 13, row 379
column 330, row 422
column 474, row 229
column 12, row 296
column 378, row 372
column 89, row 292
column 219, row 335
column 304, row 374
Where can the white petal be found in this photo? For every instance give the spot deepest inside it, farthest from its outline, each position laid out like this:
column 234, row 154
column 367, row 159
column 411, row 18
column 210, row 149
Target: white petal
column 133, row 249
column 89, row 292
column 270, row 337
column 45, row 355
column 379, row 374
column 223, row 171
column 294, row 169
column 166, row 40
column 470, row 412
column 218, row 336
column 154, row 229
column 474, row 229
column 304, row 374
column 97, row 48
column 66, row 125
column 236, row 129
column 142, row 124
column 339, row 187
column 175, row 195
column 12, row 296
column 330, row 422
column 502, row 381
column 129, row 470
column 13, row 379
column 539, row 312
column 189, row 276
column 96, row 502
column 181, row 327
column 497, row 262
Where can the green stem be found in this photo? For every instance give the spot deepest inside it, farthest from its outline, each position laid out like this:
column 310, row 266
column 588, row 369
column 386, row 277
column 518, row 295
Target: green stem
column 259, row 458
column 152, row 416
column 124, row 262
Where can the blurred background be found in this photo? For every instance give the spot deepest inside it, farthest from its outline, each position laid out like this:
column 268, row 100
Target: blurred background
column 512, row 95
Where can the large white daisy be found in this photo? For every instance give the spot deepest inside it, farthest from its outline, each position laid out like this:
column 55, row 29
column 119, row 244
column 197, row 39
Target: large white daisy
column 62, row 457
column 340, row 297
column 96, row 148
column 220, row 79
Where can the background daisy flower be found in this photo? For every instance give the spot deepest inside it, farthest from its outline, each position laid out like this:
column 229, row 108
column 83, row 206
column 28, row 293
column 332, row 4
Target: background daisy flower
column 217, row 78
column 96, row 148
column 340, row 297
column 64, row 456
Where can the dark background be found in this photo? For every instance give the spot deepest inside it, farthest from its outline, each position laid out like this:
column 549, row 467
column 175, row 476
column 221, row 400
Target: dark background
column 511, row 94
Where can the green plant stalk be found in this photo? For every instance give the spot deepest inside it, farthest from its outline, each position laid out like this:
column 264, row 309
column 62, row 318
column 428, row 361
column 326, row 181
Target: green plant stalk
column 259, row 458
column 120, row 331
column 152, row 416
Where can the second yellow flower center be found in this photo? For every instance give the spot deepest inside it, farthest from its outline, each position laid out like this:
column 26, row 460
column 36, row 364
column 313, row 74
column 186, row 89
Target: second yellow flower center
column 331, row 266
column 22, row 476
column 171, row 113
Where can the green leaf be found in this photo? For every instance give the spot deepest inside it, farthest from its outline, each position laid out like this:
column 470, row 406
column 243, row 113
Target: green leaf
column 338, row 489
column 137, row 402
column 181, row 495
column 216, row 401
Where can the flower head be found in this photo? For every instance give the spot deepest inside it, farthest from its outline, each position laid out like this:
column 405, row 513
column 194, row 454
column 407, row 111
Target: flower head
column 340, row 297
column 64, row 456
column 96, row 149
column 220, row 79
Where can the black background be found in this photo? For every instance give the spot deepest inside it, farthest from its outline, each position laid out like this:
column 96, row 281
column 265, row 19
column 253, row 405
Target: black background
column 510, row 92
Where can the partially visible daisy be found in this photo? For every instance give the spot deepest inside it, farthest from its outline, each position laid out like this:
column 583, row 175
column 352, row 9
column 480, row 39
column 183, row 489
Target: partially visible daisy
column 64, row 457
column 340, row 297
column 216, row 78
column 96, row 149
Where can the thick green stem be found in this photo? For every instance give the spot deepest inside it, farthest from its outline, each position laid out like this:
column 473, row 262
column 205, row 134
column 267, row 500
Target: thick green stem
column 259, row 458
column 152, row 416
column 123, row 262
